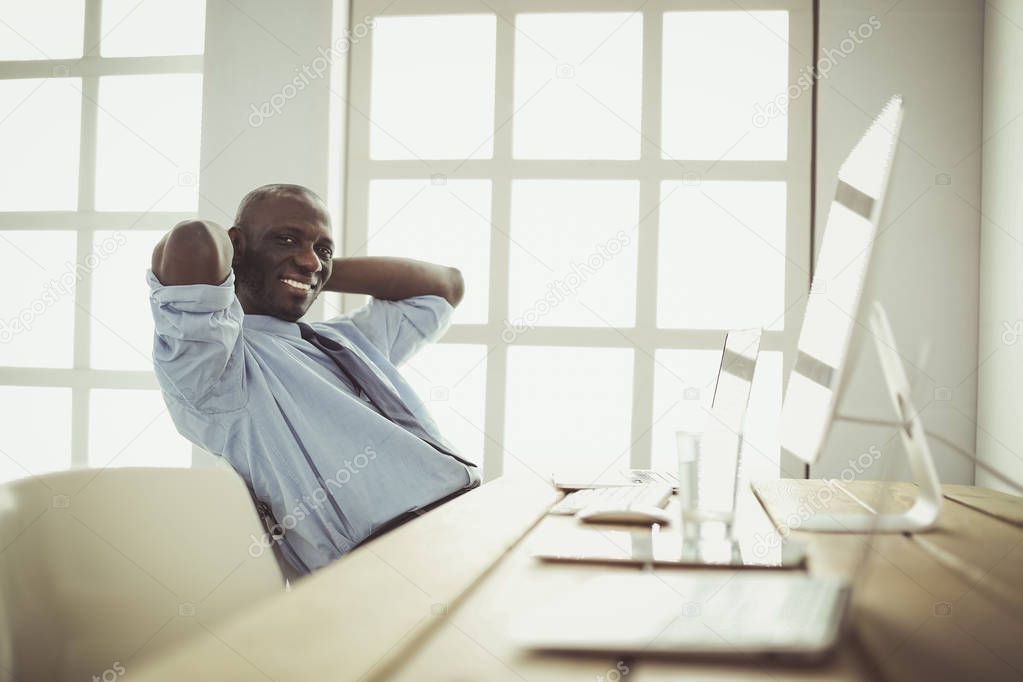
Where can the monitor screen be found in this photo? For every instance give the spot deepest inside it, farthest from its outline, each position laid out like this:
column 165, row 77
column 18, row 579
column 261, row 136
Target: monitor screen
column 835, row 298
column 723, row 435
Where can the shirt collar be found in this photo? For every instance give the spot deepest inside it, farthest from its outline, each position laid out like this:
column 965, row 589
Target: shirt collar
column 272, row 325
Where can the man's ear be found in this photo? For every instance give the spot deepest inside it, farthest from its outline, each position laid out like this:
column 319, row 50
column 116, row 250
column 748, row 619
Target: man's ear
column 237, row 237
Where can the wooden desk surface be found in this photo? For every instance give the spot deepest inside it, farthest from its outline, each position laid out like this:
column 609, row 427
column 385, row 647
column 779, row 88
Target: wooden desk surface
column 433, row 599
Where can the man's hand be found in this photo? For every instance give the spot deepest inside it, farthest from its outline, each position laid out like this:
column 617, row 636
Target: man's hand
column 193, row 252
column 395, row 278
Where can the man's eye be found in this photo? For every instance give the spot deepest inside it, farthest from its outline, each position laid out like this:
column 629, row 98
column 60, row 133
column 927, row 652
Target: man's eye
column 326, row 253
column 284, row 239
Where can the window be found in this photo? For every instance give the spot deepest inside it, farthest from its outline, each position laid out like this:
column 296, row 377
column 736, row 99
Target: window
column 609, row 183
column 99, row 122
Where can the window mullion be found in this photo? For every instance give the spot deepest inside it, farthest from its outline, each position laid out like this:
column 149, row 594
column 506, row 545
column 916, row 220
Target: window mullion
column 646, row 233
column 86, row 204
column 500, row 255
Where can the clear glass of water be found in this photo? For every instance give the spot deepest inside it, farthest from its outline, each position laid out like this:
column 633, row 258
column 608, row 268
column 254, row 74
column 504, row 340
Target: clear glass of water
column 707, row 468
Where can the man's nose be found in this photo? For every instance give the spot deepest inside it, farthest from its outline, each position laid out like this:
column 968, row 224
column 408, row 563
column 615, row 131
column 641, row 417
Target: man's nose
column 308, row 261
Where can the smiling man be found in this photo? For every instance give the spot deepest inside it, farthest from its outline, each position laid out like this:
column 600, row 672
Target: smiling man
column 315, row 417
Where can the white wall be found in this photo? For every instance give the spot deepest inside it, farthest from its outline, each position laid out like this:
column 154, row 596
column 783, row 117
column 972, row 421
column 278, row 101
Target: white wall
column 1000, row 428
column 925, row 269
column 254, row 50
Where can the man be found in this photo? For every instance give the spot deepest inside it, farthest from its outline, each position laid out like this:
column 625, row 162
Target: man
column 316, row 418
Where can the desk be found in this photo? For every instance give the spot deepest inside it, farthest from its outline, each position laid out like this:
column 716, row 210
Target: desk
column 432, row 599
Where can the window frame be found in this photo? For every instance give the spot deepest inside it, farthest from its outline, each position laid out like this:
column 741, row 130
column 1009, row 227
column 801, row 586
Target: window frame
column 650, row 170
column 85, row 221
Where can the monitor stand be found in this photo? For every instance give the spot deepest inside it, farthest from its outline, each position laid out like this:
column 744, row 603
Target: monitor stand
column 923, row 514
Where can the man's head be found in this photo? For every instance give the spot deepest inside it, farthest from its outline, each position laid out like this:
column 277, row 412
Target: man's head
column 282, row 250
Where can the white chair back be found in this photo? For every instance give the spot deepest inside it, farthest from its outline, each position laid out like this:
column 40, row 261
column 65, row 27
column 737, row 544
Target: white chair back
column 100, row 568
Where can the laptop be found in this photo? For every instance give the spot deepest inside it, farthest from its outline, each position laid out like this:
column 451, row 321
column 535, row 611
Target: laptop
column 728, row 410
column 705, row 614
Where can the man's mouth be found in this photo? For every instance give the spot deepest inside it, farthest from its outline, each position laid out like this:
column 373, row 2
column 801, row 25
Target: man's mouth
column 304, row 287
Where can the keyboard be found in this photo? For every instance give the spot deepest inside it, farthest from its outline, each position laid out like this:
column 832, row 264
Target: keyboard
column 624, row 497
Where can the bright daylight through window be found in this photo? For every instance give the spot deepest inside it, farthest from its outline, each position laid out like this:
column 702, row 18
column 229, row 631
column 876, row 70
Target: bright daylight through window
column 600, row 177
column 103, row 110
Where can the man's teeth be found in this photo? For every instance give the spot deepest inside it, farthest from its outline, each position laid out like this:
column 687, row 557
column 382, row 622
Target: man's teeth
column 298, row 285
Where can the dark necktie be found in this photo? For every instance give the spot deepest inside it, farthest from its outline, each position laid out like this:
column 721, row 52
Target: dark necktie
column 387, row 401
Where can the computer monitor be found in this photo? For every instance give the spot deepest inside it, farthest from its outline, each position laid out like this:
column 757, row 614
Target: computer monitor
column 735, row 377
column 723, row 436
column 725, row 421
column 835, row 305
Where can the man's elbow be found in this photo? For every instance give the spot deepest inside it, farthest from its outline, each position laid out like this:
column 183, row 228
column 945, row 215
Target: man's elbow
column 193, row 252
column 455, row 289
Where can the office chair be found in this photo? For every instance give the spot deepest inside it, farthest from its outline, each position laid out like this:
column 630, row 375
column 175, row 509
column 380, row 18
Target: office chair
column 101, row 568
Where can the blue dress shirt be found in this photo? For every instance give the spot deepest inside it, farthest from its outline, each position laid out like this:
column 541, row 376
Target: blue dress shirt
column 250, row 389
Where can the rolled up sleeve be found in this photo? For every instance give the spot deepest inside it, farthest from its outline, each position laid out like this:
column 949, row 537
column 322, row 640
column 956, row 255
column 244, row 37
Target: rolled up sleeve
column 400, row 328
column 197, row 354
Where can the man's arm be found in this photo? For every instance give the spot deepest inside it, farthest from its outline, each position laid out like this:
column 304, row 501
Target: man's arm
column 197, row 329
column 394, row 279
column 193, row 252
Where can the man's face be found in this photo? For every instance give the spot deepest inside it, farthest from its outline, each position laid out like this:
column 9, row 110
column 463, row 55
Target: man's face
column 283, row 256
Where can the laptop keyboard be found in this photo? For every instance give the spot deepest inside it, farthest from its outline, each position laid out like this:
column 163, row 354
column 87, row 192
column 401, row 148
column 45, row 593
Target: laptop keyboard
column 618, row 497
